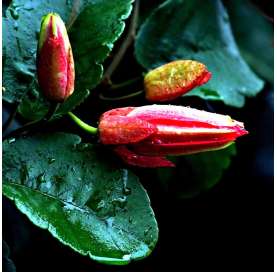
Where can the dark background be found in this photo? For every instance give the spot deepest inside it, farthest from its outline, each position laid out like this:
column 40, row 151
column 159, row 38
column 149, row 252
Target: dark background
column 229, row 227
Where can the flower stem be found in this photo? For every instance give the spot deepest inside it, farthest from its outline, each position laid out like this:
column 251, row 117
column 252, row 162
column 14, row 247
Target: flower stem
column 83, row 125
column 125, row 83
column 130, row 36
column 101, row 96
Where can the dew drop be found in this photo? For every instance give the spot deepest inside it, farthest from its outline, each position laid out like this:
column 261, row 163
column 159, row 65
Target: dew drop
column 15, row 25
column 24, row 173
column 225, row 18
column 51, row 160
column 109, row 192
column 41, row 178
column 14, row 13
column 147, row 230
column 11, row 140
column 120, row 202
column 109, row 222
column 126, row 257
column 127, row 191
column 100, row 205
column 22, row 72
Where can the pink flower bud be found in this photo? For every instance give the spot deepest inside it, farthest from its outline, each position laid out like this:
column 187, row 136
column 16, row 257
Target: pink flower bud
column 173, row 79
column 55, row 64
column 143, row 136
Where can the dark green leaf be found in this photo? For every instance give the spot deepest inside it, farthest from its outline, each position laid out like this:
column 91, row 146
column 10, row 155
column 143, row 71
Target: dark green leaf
column 254, row 35
column 66, row 187
column 196, row 173
column 93, row 28
column 199, row 30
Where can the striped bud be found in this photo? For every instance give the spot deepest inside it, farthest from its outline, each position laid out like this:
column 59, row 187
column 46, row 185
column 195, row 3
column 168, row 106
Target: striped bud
column 55, row 64
column 143, row 136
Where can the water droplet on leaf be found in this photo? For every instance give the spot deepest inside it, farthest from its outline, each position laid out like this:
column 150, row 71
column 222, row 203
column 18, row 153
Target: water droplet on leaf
column 23, row 73
column 41, row 178
column 100, row 205
column 147, row 230
column 14, row 13
column 15, row 25
column 24, row 173
column 11, row 140
column 126, row 257
column 51, row 160
column 120, row 201
column 109, row 222
column 127, row 191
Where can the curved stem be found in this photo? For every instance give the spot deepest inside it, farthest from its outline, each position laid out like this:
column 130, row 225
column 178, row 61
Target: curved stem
column 125, row 83
column 83, row 125
column 101, row 96
column 125, row 45
column 32, row 125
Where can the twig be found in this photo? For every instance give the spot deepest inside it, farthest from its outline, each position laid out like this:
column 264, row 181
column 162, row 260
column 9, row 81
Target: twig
column 124, row 46
column 74, row 14
column 126, row 83
column 263, row 13
column 102, row 97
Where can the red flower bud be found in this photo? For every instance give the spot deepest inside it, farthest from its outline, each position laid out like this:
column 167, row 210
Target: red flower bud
column 145, row 135
column 55, row 64
column 173, row 79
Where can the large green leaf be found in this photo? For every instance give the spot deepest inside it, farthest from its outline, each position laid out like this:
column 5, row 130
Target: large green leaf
column 94, row 25
column 197, row 173
column 64, row 186
column 254, row 35
column 199, row 30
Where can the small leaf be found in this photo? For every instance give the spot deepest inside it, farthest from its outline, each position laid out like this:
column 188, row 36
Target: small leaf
column 94, row 27
column 197, row 173
column 198, row 30
column 64, row 186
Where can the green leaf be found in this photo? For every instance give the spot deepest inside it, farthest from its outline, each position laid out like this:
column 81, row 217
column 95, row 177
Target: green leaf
column 93, row 28
column 65, row 186
column 199, row 30
column 254, row 35
column 197, row 173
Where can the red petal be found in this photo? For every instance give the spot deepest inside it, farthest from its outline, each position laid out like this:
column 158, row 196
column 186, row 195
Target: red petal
column 142, row 161
column 70, row 74
column 182, row 116
column 124, row 130
column 179, row 148
column 117, row 112
column 175, row 134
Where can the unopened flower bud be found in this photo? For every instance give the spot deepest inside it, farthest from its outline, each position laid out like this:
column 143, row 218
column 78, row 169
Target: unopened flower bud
column 55, row 64
column 173, row 79
column 143, row 136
